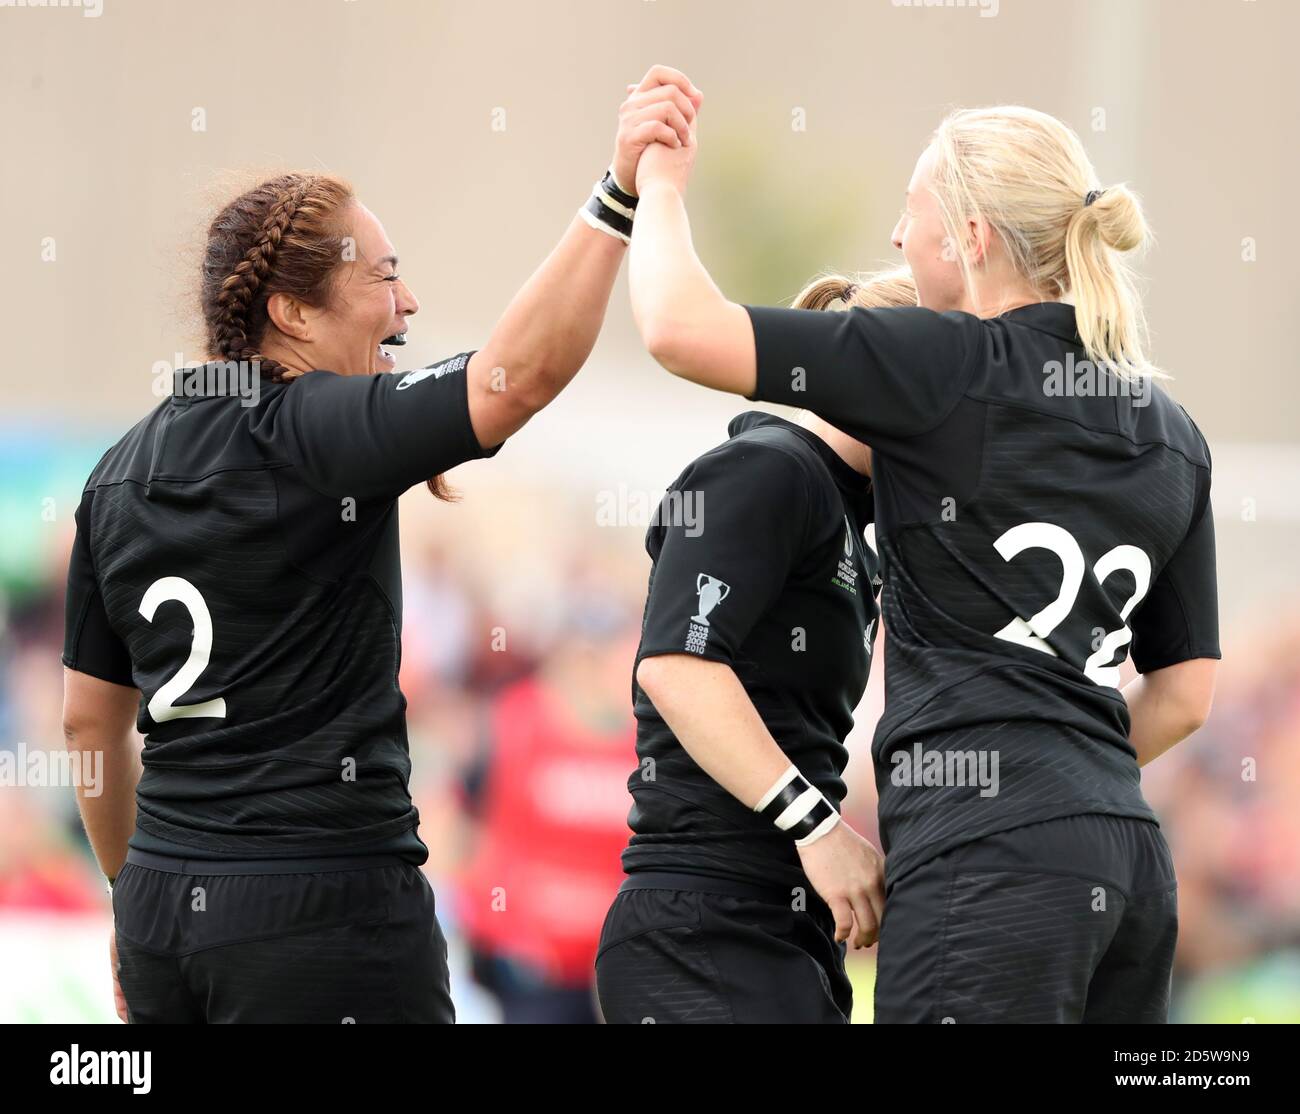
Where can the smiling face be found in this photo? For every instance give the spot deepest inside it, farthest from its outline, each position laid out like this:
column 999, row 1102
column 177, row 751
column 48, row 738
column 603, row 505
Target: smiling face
column 367, row 303
column 923, row 239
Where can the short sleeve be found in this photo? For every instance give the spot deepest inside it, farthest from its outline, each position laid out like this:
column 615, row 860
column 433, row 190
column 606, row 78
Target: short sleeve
column 731, row 529
column 1179, row 619
column 89, row 644
column 875, row 373
column 377, row 435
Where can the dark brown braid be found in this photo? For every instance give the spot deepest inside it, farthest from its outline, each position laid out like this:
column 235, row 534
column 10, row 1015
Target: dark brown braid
column 252, row 271
column 285, row 235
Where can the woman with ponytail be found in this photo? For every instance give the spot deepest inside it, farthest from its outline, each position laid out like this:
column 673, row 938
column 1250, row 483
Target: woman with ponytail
column 235, row 591
column 755, row 649
column 1042, row 510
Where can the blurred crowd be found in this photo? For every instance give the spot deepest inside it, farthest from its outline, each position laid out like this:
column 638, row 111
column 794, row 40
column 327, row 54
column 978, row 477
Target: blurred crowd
column 521, row 622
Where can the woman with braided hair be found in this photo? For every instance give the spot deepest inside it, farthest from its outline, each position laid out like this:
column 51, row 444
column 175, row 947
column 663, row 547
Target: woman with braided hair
column 235, row 591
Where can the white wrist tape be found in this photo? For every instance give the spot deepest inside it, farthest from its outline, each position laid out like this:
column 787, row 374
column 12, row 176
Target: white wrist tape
column 610, row 209
column 797, row 807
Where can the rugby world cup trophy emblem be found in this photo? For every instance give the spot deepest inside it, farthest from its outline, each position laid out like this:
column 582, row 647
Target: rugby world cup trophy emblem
column 712, row 592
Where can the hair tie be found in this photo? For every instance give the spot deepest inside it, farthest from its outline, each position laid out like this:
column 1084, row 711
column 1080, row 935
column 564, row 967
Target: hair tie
column 1092, row 196
column 849, row 290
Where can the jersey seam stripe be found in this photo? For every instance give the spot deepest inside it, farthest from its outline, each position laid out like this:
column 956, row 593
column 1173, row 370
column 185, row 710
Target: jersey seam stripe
column 1182, row 607
column 972, row 676
column 264, row 467
column 82, row 616
column 1016, row 405
column 395, row 628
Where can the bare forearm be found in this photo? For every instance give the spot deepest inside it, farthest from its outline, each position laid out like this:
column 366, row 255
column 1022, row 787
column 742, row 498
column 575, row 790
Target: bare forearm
column 669, row 285
column 1159, row 720
column 108, row 807
column 550, row 328
column 685, row 321
column 711, row 715
column 99, row 731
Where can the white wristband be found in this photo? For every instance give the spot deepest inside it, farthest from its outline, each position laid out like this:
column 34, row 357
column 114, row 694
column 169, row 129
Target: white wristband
column 601, row 226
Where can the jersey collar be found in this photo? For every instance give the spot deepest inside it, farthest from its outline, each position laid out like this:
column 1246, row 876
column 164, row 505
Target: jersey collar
column 855, row 486
column 1056, row 318
column 216, row 380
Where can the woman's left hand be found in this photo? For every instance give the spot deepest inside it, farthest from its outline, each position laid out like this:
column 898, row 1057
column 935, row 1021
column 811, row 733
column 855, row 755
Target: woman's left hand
column 658, row 112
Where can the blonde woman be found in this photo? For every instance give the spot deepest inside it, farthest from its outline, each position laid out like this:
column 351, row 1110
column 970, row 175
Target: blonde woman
column 1042, row 510
column 755, row 649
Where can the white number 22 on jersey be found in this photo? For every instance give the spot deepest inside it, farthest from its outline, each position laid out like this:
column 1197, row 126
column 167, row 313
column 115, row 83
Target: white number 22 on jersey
column 1032, row 632
column 162, row 705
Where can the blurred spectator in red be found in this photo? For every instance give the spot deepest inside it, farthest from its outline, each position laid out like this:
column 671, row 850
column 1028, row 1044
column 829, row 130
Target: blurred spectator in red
column 39, row 871
column 550, row 797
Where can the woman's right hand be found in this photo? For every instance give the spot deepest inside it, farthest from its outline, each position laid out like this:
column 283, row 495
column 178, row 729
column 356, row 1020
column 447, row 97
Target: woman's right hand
column 119, row 999
column 849, row 875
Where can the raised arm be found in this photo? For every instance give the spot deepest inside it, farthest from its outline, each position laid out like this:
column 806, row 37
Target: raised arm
column 685, row 322
column 549, row 329
column 871, row 372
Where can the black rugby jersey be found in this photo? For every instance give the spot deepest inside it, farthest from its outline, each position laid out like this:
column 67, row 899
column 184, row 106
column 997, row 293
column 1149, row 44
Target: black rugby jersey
column 239, row 565
column 1034, row 518
column 758, row 561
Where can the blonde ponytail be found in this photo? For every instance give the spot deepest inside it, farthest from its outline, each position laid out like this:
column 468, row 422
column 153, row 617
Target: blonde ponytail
column 1107, row 306
column 1027, row 176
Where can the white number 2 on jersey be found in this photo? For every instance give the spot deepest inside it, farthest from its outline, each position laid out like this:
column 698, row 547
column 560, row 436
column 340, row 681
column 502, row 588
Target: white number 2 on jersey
column 1033, row 631
column 162, row 705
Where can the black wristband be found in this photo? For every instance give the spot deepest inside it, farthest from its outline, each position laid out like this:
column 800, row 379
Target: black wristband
column 608, row 184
